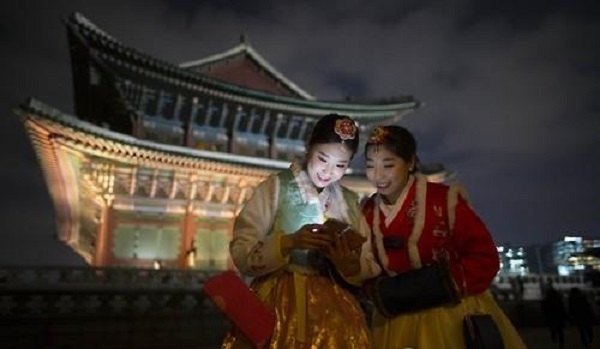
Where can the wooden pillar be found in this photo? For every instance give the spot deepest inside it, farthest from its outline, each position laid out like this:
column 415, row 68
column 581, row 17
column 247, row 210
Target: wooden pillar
column 188, row 229
column 230, row 264
column 106, row 223
column 266, row 119
column 103, row 237
column 302, row 134
column 190, row 121
column 233, row 145
column 179, row 103
column 224, row 112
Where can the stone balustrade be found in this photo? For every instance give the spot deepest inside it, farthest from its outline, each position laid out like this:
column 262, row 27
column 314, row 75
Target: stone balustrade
column 48, row 291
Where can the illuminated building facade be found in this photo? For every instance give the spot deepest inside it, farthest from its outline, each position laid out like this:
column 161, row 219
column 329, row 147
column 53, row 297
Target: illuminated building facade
column 571, row 254
column 513, row 260
column 159, row 158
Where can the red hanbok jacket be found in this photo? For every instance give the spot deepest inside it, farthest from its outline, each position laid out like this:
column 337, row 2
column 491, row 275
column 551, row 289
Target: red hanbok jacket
column 435, row 221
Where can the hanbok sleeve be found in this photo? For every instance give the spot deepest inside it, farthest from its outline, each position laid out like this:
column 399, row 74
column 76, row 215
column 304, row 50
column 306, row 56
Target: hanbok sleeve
column 254, row 250
column 369, row 268
column 478, row 261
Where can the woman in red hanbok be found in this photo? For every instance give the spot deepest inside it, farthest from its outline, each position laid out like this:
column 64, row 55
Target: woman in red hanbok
column 415, row 222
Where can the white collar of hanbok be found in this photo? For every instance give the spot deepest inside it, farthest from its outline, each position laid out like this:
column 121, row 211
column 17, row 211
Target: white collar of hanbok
column 413, row 240
column 390, row 211
column 330, row 195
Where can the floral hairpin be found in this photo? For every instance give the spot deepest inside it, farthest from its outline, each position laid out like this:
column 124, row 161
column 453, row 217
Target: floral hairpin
column 378, row 135
column 345, row 128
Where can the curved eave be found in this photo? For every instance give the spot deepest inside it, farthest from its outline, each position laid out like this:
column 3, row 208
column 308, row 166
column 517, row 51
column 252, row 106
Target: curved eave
column 116, row 52
column 110, row 144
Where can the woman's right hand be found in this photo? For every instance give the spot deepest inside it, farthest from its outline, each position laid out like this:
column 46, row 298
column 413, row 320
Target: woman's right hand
column 307, row 237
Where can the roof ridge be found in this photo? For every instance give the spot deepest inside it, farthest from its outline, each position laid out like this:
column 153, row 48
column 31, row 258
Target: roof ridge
column 245, row 46
column 83, row 20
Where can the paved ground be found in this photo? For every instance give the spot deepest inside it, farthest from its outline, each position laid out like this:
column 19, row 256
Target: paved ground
column 535, row 338
column 528, row 321
column 539, row 338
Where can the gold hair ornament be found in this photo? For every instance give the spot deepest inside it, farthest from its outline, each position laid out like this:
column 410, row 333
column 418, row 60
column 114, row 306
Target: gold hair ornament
column 345, row 128
column 378, row 135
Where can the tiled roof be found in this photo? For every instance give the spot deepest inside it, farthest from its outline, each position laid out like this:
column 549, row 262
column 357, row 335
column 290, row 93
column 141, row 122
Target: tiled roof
column 244, row 48
column 109, row 49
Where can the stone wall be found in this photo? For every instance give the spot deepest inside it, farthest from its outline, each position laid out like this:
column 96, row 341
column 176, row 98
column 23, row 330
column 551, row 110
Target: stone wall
column 106, row 308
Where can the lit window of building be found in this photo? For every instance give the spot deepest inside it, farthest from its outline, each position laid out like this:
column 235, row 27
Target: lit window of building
column 571, row 255
column 513, row 260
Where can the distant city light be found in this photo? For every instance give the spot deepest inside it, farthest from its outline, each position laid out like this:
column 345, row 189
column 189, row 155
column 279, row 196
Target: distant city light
column 576, row 239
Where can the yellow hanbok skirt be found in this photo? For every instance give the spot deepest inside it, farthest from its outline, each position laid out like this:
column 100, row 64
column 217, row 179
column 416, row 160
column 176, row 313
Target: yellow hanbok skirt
column 332, row 318
column 440, row 328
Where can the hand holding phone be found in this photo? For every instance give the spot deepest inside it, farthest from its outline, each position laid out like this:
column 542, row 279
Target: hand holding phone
column 338, row 229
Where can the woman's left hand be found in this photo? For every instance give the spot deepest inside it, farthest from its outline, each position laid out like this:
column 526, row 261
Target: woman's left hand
column 346, row 260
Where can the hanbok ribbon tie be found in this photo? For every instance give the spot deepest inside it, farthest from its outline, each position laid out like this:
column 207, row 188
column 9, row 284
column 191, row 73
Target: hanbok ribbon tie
column 300, row 297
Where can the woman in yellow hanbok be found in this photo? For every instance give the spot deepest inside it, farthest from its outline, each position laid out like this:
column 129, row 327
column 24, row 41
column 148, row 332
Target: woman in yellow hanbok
column 277, row 240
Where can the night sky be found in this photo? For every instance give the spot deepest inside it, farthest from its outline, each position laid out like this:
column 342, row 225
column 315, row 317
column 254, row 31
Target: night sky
column 511, row 91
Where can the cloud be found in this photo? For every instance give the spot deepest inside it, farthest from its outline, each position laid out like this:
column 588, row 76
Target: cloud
column 510, row 87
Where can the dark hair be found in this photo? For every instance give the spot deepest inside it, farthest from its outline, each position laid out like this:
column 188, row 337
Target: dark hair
column 396, row 139
column 324, row 132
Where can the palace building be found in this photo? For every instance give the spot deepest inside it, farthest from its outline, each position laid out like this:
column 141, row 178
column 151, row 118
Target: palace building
column 158, row 158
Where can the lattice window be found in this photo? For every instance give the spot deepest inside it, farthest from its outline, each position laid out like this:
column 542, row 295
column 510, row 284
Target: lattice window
column 149, row 242
column 212, row 244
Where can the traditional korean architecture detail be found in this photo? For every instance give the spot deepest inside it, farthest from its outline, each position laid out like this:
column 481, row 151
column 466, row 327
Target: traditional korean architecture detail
column 124, row 201
column 159, row 158
column 243, row 66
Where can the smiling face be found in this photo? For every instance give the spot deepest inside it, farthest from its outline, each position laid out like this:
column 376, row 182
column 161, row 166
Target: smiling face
column 387, row 171
column 327, row 163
